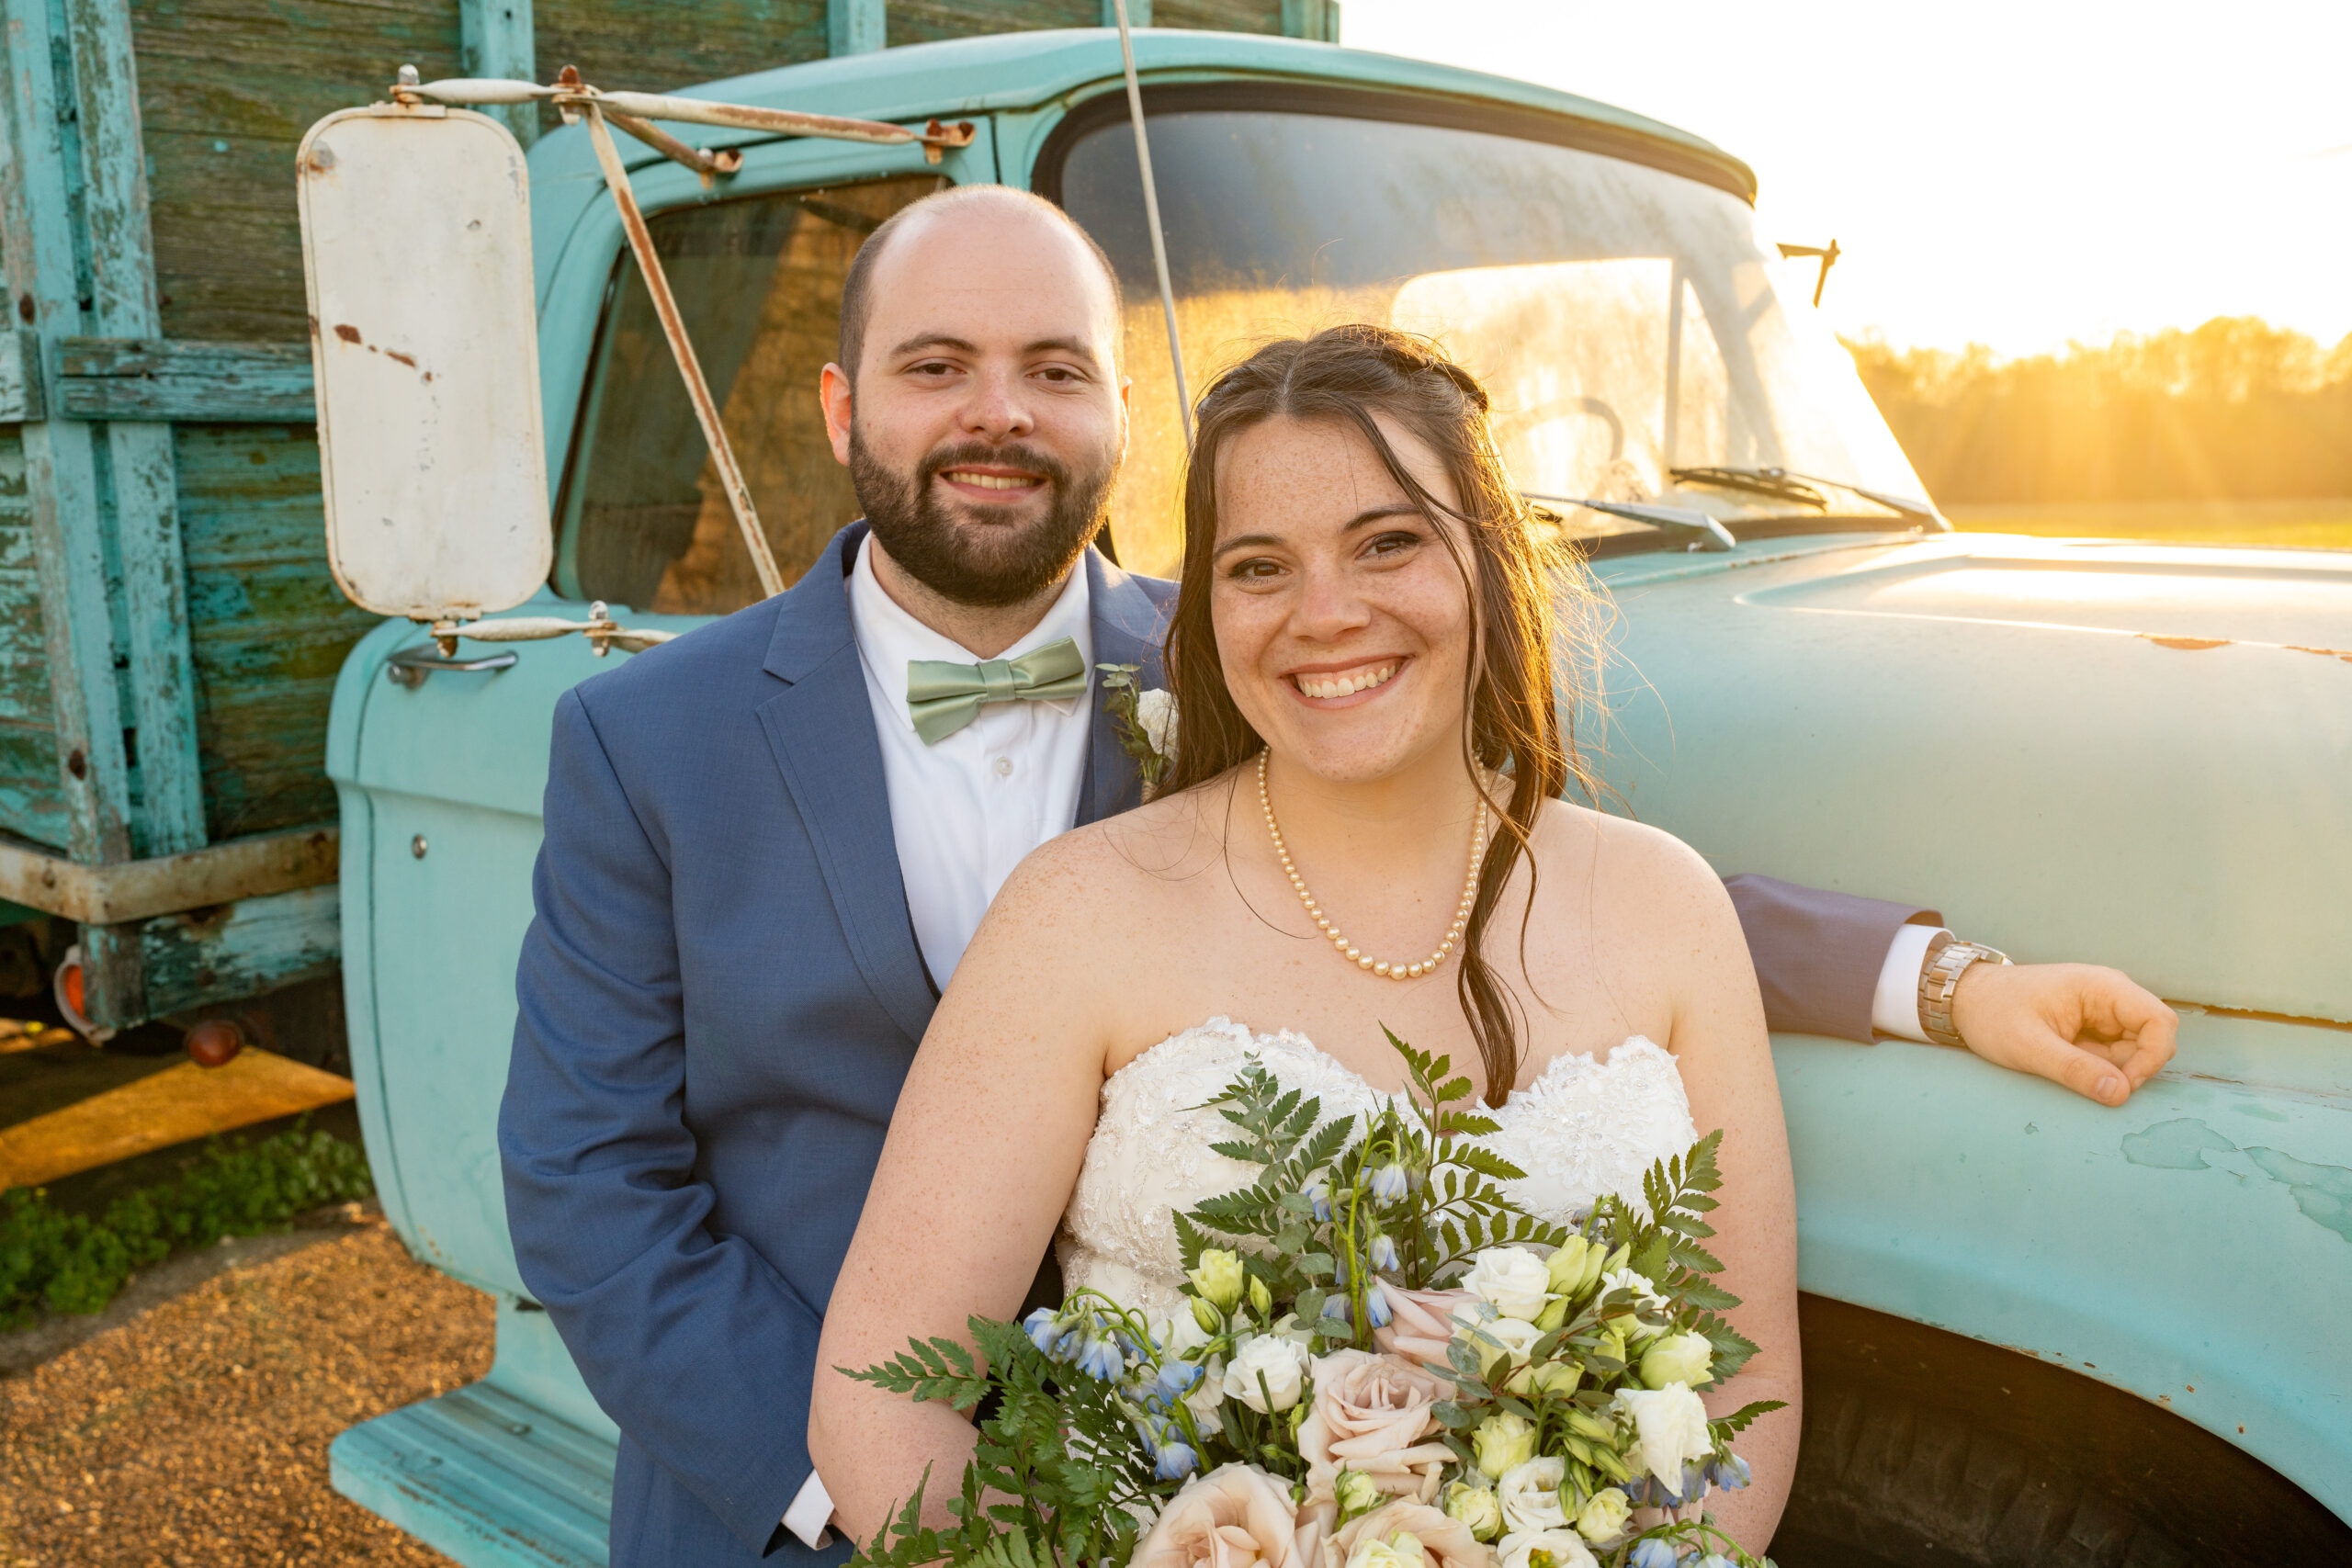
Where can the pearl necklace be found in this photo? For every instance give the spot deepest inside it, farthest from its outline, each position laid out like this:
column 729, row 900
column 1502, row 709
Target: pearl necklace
column 1348, row 950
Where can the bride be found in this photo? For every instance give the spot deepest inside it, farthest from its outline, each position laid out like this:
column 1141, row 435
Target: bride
column 1361, row 828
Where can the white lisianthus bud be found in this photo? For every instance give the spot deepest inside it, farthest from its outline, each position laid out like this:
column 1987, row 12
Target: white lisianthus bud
column 1677, row 1358
column 1357, row 1493
column 1262, row 1300
column 1207, row 1318
column 1670, row 1427
column 1567, row 1266
column 1400, row 1549
column 1603, row 1518
column 1268, row 1373
column 1218, row 1278
column 1530, row 1495
column 1513, row 1277
column 1156, row 712
column 1474, row 1506
column 1184, row 1334
column 1503, row 1443
column 1558, row 1378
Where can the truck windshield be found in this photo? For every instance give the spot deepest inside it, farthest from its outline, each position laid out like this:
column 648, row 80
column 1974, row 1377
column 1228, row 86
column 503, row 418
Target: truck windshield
column 1626, row 319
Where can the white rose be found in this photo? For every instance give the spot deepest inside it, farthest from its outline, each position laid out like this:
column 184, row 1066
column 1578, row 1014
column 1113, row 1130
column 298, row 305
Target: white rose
column 1514, row 1279
column 1280, row 1362
column 1671, row 1425
column 1530, row 1495
column 1155, row 711
column 1495, row 1338
column 1545, row 1549
column 1182, row 1334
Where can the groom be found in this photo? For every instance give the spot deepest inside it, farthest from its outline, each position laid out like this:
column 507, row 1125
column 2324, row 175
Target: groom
column 768, row 843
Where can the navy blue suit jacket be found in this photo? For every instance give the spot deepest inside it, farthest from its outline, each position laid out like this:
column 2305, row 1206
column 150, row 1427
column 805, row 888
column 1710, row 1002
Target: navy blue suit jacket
column 719, row 998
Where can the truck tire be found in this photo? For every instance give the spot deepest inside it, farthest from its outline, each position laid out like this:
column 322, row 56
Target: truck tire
column 1923, row 1447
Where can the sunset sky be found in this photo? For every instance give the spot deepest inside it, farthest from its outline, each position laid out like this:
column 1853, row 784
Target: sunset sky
column 2011, row 171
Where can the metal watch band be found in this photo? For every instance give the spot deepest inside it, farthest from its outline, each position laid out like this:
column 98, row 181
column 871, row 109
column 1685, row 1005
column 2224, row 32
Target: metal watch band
column 1940, row 979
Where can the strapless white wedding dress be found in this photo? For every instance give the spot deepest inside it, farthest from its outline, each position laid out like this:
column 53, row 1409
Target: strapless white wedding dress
column 1585, row 1127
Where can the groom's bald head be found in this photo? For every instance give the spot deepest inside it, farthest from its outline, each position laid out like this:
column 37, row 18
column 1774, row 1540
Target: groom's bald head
column 983, row 227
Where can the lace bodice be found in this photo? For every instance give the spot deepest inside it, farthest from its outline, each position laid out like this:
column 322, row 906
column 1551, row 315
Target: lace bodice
column 1585, row 1127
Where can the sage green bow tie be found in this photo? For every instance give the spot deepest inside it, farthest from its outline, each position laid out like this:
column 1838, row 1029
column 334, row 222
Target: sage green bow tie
column 943, row 697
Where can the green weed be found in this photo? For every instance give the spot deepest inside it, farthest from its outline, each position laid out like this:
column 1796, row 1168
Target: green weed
column 73, row 1263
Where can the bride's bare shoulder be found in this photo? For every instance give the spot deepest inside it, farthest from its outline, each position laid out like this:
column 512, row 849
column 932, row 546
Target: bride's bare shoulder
column 1157, row 852
column 1629, row 868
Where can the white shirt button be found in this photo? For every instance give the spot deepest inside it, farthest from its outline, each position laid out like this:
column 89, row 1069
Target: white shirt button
column 1004, row 767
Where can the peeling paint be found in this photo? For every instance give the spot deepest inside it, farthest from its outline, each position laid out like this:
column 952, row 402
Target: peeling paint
column 2322, row 1192
column 2190, row 643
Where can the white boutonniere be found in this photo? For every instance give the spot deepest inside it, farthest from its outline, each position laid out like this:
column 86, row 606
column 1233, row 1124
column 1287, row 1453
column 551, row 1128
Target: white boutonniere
column 1146, row 721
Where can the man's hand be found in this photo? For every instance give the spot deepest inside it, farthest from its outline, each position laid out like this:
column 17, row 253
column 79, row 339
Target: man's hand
column 2090, row 1028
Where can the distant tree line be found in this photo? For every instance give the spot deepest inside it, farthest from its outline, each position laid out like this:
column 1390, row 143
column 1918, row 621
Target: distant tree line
column 2233, row 410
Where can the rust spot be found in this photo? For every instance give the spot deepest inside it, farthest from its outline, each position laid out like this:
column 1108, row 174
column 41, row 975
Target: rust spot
column 2323, row 652
column 24, row 306
column 77, row 764
column 2191, row 1387
column 2241, row 1431
column 347, row 332
column 2190, row 643
column 407, row 359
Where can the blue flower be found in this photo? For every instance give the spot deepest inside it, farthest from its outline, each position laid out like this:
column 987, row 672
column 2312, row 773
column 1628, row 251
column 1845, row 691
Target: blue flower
column 1376, row 1307
column 1730, row 1472
column 1383, row 1251
column 1176, row 1461
column 1068, row 1346
column 1043, row 1329
column 1318, row 1191
column 1715, row 1560
column 1652, row 1553
column 1388, row 1182
column 1176, row 1379
column 1101, row 1358
column 1694, row 1483
column 1334, row 1305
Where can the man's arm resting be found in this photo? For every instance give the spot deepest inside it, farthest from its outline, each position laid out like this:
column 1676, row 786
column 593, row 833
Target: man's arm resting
column 694, row 1345
column 1837, row 964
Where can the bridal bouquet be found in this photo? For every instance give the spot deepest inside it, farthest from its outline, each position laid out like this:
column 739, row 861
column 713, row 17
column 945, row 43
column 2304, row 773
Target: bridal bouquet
column 1380, row 1362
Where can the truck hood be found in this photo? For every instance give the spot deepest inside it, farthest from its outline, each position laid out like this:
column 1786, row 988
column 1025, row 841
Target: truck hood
column 2109, row 752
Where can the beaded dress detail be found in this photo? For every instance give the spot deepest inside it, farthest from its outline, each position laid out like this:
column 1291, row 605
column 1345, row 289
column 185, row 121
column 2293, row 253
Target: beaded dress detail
column 1583, row 1128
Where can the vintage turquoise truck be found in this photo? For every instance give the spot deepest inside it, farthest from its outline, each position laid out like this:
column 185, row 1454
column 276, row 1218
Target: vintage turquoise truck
column 2037, row 1330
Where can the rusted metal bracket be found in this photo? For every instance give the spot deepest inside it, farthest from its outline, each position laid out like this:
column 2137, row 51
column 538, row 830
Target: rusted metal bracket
column 139, row 889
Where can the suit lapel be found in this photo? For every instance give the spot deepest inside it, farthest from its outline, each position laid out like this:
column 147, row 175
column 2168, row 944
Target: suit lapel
column 820, row 728
column 1126, row 631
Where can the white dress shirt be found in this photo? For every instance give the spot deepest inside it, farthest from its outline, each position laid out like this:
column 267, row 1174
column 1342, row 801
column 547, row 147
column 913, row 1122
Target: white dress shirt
column 966, row 810
column 963, row 811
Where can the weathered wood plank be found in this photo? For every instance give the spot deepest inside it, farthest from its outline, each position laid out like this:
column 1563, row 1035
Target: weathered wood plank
column 1228, row 16
column 167, row 793
column 855, row 26
column 40, row 181
column 270, row 631
column 240, row 950
column 166, row 378
column 24, row 653
column 925, row 21
column 227, row 88
column 658, row 45
column 20, row 387
column 496, row 37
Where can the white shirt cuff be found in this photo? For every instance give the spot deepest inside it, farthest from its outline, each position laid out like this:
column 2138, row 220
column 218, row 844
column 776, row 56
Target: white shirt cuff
column 1895, row 1006
column 811, row 1514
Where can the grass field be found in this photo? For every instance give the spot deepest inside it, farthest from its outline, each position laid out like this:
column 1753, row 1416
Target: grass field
column 2305, row 525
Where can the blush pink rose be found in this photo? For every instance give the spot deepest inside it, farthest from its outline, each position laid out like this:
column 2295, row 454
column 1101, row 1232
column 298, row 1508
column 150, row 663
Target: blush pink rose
column 1370, row 1414
column 1420, row 1323
column 1446, row 1542
column 1235, row 1517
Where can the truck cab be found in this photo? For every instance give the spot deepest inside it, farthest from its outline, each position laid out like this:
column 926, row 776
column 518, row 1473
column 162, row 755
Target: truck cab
column 2120, row 755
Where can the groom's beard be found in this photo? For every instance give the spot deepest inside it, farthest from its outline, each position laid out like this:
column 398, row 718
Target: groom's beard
column 987, row 565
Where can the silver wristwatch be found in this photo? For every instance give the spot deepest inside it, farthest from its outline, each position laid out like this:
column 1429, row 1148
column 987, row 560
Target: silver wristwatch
column 1940, row 979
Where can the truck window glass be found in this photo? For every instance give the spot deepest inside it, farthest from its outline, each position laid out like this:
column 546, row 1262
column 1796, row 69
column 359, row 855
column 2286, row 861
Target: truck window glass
column 1626, row 319
column 759, row 281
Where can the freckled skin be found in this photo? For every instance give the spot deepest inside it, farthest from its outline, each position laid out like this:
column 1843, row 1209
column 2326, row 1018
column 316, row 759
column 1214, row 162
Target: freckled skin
column 1111, row 938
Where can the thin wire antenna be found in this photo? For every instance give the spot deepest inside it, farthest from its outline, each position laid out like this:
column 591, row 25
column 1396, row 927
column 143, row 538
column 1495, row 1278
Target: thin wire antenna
column 1151, row 215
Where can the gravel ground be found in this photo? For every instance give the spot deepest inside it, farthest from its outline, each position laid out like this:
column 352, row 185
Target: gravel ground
column 195, row 1433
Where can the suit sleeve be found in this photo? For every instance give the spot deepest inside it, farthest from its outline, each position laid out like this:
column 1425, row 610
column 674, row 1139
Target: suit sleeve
column 694, row 1345
column 1817, row 953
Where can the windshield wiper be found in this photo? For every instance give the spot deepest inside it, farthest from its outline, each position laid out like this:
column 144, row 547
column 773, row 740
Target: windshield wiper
column 1712, row 535
column 1783, row 484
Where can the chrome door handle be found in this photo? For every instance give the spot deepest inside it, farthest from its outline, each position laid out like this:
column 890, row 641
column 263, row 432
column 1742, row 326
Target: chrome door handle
column 409, row 666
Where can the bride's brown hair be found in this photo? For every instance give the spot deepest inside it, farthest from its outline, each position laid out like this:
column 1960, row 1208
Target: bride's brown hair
column 1517, row 577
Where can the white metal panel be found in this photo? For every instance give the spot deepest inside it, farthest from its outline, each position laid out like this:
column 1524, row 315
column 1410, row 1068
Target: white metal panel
column 416, row 246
